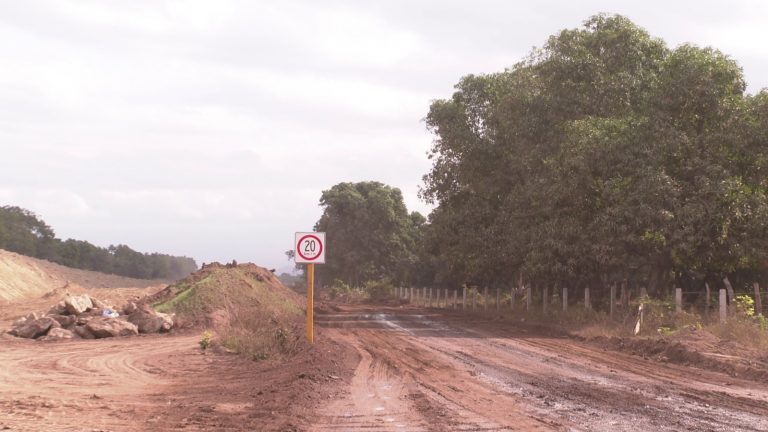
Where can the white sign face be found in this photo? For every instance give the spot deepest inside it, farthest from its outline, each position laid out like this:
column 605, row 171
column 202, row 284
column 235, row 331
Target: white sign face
column 310, row 248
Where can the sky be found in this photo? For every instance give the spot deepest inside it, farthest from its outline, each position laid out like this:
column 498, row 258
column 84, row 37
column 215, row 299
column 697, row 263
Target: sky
column 209, row 129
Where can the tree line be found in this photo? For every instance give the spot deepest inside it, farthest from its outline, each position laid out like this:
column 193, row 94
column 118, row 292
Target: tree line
column 23, row 232
column 603, row 156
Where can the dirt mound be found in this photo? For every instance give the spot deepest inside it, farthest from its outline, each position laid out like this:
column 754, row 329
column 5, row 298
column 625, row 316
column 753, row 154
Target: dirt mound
column 22, row 277
column 202, row 296
column 692, row 352
column 249, row 308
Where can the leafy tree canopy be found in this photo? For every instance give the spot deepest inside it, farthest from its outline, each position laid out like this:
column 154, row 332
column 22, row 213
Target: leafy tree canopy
column 603, row 154
column 23, row 232
column 370, row 234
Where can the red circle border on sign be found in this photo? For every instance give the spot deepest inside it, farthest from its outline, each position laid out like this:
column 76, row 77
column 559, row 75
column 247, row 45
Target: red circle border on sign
column 320, row 252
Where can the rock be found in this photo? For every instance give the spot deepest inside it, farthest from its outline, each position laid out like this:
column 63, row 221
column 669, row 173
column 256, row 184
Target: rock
column 149, row 321
column 83, row 320
column 65, row 320
column 129, row 308
column 59, row 309
column 99, row 304
column 78, row 304
column 58, row 334
column 95, row 312
column 36, row 328
column 102, row 327
column 83, row 332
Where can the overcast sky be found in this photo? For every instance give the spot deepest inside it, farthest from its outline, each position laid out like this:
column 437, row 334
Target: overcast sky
column 210, row 128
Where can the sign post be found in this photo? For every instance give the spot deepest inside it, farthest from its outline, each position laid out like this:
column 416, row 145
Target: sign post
column 310, row 250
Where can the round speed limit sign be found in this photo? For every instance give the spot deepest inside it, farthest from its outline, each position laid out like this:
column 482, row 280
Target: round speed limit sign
column 310, row 247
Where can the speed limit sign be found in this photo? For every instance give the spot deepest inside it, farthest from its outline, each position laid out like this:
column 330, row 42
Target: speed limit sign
column 310, row 247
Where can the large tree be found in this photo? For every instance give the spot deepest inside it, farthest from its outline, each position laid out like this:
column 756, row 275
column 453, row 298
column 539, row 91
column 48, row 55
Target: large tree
column 370, row 234
column 604, row 154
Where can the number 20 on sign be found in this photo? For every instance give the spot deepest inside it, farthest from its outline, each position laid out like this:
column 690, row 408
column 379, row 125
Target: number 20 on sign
column 309, row 249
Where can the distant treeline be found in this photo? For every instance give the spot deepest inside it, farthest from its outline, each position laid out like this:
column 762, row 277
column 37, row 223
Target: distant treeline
column 23, row 232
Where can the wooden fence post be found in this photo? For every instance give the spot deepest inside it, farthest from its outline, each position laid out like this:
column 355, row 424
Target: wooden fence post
column 708, row 304
column 565, row 299
column 485, row 299
column 758, row 300
column 424, row 297
column 512, row 298
column 678, row 300
column 729, row 289
column 464, row 299
column 587, row 302
column 528, row 299
column 723, row 306
column 411, row 300
column 455, row 298
column 613, row 299
column 545, row 299
column 624, row 300
column 474, row 300
column 498, row 299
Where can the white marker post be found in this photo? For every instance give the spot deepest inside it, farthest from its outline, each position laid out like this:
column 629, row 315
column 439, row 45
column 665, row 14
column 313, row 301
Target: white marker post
column 310, row 250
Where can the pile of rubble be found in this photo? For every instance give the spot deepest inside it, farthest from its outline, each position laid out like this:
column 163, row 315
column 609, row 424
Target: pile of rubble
column 85, row 317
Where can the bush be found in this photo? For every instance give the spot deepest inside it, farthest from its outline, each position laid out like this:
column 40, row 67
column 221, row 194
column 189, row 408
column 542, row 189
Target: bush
column 343, row 292
column 206, row 340
column 379, row 289
column 261, row 337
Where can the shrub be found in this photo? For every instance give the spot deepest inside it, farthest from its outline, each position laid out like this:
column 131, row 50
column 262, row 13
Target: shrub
column 206, row 340
column 379, row 289
column 343, row 292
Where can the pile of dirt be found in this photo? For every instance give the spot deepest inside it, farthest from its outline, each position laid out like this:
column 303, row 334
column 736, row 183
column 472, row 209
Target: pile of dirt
column 247, row 306
column 86, row 317
column 23, row 277
column 694, row 351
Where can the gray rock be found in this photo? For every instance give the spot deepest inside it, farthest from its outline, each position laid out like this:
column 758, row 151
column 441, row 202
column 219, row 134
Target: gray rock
column 129, row 308
column 58, row 334
column 102, row 327
column 59, row 309
column 149, row 321
column 65, row 321
column 83, row 332
column 99, row 304
column 78, row 304
column 35, row 328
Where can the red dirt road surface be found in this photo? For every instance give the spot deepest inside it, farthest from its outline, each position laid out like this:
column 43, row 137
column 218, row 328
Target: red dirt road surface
column 436, row 372
column 373, row 369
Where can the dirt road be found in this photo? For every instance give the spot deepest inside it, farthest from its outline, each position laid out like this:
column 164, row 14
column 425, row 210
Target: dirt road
column 161, row 383
column 438, row 373
column 387, row 369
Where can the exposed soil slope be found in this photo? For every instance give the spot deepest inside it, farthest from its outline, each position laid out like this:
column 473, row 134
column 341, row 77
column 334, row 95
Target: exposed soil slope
column 24, row 277
column 219, row 289
column 165, row 382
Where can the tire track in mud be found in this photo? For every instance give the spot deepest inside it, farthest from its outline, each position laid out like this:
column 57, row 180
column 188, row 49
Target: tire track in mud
column 86, row 385
column 447, row 397
column 554, row 382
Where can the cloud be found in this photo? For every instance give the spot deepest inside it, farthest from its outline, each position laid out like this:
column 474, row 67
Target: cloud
column 210, row 129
